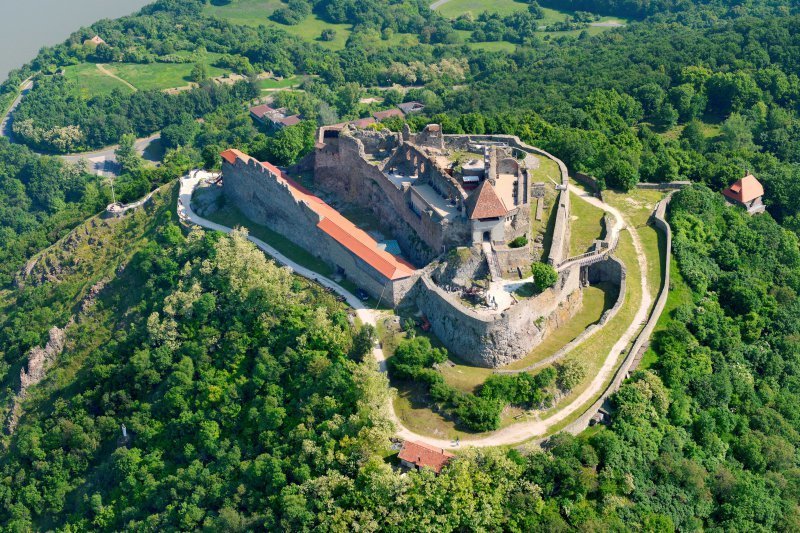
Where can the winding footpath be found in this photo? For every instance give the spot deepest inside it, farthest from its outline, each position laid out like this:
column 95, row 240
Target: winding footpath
column 512, row 434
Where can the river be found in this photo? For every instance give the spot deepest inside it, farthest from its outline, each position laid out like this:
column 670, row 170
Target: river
column 28, row 25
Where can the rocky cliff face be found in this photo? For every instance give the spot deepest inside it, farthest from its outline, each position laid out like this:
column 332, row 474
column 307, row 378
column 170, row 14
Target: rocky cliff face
column 40, row 359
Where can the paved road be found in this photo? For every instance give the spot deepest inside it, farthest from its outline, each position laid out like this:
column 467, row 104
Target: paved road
column 438, row 3
column 509, row 435
column 5, row 125
column 102, row 162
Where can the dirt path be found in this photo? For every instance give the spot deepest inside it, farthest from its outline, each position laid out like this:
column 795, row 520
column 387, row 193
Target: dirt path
column 438, row 3
column 509, row 435
column 104, row 70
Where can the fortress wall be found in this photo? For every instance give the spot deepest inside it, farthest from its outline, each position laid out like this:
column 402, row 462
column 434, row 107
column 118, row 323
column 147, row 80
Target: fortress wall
column 263, row 199
column 345, row 173
column 511, row 259
column 489, row 339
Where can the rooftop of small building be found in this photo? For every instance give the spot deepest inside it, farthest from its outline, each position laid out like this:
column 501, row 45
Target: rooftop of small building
column 745, row 190
column 424, row 455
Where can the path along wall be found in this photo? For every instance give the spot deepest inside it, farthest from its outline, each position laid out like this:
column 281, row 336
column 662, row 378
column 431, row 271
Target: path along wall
column 268, row 201
column 625, row 369
column 489, row 339
column 611, row 270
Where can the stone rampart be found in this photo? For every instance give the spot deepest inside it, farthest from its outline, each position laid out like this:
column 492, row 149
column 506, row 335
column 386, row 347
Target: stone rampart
column 265, row 200
column 608, row 273
column 340, row 169
column 491, row 339
column 625, row 369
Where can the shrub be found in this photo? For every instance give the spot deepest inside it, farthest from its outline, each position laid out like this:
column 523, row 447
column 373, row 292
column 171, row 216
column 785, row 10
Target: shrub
column 519, row 242
column 544, row 276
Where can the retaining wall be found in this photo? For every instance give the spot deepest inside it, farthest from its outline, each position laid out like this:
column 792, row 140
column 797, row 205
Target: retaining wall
column 491, row 339
column 611, row 265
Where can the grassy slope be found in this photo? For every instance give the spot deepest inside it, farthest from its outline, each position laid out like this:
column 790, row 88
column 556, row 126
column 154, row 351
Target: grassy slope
column 158, row 75
column 93, row 82
column 96, row 251
column 586, row 225
column 257, row 12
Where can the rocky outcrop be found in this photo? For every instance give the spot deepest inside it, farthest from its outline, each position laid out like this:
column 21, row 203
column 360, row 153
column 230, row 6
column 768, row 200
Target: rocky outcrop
column 40, row 359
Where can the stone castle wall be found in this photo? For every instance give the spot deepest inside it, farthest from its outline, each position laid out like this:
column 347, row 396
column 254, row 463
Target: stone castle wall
column 258, row 194
column 494, row 339
column 340, row 169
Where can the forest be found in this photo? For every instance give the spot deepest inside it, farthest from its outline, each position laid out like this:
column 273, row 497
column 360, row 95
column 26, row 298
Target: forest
column 248, row 400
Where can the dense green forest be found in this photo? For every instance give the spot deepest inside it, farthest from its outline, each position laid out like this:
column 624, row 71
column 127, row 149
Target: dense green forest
column 247, row 398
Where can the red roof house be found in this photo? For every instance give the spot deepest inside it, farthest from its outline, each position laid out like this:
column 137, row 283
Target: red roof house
column 418, row 455
column 389, row 113
column 485, row 204
column 748, row 193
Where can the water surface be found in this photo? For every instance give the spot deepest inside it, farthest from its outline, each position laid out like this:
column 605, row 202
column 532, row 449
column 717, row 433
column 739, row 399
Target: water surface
column 28, row 25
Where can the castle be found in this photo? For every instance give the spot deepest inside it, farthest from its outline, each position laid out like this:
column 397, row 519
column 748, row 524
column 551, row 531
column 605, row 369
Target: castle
column 452, row 204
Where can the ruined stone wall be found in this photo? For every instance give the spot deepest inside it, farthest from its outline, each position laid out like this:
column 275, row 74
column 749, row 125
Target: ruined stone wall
column 257, row 193
column 489, row 339
column 560, row 244
column 515, row 259
column 345, row 173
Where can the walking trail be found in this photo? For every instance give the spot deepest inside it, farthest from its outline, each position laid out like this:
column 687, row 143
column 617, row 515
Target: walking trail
column 512, row 434
column 102, row 68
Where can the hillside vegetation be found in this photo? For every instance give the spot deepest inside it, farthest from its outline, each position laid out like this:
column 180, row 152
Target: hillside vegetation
column 247, row 394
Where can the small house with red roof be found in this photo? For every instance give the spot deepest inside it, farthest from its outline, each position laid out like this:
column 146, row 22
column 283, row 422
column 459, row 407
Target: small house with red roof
column 417, row 455
column 747, row 192
column 389, row 113
column 487, row 213
column 274, row 119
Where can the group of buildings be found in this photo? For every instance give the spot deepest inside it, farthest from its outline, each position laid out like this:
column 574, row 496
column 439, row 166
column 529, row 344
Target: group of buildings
column 275, row 119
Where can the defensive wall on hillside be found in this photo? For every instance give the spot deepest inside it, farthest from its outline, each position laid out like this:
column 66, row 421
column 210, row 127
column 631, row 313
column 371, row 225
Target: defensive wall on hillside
column 628, row 366
column 376, row 170
column 341, row 167
column 269, row 199
column 492, row 339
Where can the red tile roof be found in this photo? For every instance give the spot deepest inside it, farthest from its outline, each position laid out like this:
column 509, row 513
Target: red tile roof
column 422, row 455
column 261, row 111
column 382, row 115
column 335, row 225
column 289, row 121
column 745, row 190
column 484, row 203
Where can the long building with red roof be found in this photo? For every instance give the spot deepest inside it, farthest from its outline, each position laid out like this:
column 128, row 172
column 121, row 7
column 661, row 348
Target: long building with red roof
column 268, row 196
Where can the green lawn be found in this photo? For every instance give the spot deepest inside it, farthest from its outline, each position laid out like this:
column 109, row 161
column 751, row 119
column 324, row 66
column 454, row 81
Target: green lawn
column 453, row 8
column 285, row 83
column 257, row 12
column 586, row 225
column 158, row 76
column 92, row 82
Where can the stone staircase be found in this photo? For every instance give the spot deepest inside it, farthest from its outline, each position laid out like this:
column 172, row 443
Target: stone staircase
column 491, row 259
